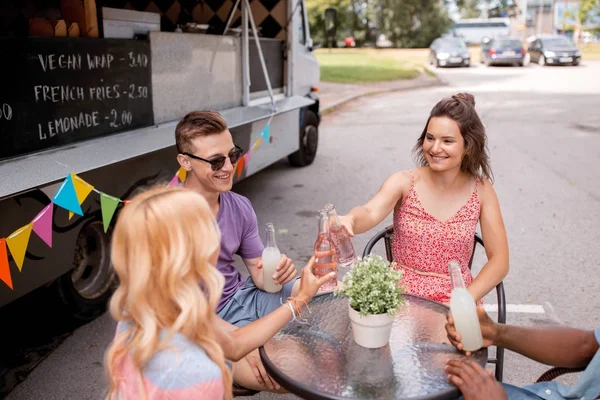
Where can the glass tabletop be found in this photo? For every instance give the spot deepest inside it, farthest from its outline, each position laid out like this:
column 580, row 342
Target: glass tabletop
column 317, row 358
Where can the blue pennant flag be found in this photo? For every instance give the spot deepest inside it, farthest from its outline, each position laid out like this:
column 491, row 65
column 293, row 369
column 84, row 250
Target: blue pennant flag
column 266, row 132
column 66, row 197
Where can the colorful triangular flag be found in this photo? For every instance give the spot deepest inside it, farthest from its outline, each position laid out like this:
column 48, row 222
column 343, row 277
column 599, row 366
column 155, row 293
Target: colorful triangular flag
column 257, row 143
column 82, row 190
column 181, row 173
column 174, row 181
column 66, row 197
column 267, row 132
column 108, row 204
column 42, row 224
column 240, row 167
column 4, row 267
column 17, row 244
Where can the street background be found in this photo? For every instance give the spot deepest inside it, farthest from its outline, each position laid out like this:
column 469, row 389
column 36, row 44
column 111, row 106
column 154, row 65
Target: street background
column 543, row 126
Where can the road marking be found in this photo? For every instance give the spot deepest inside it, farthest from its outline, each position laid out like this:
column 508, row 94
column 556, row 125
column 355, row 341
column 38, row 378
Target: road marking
column 517, row 308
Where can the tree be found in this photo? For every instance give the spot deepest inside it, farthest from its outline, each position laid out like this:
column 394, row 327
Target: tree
column 414, row 23
column 468, row 8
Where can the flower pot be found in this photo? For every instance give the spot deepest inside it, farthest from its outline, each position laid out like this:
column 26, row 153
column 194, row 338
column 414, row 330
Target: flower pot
column 371, row 331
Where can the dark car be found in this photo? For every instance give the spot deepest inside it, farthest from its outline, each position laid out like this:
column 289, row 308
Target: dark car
column 449, row 52
column 504, row 51
column 554, row 50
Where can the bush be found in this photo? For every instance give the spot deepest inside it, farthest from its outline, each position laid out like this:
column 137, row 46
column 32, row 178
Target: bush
column 372, row 287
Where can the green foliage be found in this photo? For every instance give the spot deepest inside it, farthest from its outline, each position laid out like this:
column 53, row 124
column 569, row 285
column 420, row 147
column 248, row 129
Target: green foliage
column 407, row 23
column 372, row 287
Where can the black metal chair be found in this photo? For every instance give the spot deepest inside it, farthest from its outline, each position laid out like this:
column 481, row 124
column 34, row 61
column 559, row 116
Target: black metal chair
column 387, row 235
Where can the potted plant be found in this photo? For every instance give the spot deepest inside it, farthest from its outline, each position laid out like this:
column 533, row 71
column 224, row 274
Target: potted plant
column 375, row 294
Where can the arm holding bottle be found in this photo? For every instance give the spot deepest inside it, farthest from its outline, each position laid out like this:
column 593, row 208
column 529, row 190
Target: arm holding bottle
column 237, row 343
column 557, row 346
column 363, row 218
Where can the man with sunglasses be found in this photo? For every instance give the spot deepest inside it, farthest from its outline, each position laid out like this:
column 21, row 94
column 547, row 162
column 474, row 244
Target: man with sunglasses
column 208, row 154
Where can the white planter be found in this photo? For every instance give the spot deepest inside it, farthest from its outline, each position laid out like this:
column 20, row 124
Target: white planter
column 371, row 331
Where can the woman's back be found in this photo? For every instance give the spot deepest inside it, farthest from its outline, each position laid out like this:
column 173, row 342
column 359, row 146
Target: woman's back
column 423, row 245
column 182, row 370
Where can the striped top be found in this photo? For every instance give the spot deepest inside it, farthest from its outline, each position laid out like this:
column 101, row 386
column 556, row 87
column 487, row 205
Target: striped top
column 180, row 371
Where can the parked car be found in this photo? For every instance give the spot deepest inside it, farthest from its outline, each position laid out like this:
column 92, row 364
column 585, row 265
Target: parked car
column 554, row 50
column 504, row 51
column 449, row 52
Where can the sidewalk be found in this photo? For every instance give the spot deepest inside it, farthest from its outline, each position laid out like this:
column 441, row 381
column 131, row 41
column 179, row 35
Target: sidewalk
column 333, row 95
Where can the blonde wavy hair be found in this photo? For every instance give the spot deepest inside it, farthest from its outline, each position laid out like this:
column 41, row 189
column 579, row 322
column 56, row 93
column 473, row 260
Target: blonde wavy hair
column 161, row 247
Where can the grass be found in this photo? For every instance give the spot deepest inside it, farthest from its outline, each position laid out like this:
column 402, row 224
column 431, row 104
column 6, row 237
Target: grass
column 362, row 66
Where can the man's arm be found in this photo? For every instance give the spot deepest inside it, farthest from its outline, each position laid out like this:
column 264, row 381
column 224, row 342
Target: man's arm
column 557, row 346
column 254, row 266
column 552, row 345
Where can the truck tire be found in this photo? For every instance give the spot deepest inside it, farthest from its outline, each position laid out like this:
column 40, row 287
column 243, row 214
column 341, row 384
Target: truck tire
column 309, row 141
column 86, row 289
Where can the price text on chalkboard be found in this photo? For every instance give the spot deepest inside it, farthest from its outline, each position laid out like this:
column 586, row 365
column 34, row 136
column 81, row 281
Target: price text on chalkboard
column 57, row 91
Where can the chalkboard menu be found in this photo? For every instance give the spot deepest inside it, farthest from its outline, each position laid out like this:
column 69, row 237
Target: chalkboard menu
column 57, row 91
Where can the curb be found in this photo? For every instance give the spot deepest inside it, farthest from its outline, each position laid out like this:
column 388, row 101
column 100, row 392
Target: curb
column 436, row 81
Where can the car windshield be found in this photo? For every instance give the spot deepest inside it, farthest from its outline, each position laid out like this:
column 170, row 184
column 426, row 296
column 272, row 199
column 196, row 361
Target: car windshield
column 557, row 41
column 508, row 43
column 453, row 43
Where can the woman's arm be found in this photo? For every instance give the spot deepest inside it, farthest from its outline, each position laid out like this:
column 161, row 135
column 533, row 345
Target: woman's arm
column 238, row 342
column 362, row 218
column 496, row 244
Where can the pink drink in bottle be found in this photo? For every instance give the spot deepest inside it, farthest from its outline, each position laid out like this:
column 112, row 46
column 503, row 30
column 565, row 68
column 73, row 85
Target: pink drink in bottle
column 324, row 261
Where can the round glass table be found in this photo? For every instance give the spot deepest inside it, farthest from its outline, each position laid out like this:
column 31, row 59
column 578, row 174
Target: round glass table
column 317, row 358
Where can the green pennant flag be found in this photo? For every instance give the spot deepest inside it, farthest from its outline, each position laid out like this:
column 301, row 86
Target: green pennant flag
column 108, row 204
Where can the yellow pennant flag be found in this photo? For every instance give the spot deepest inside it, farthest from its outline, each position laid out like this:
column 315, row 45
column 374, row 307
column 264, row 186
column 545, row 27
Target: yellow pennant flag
column 82, row 190
column 181, row 173
column 17, row 244
column 257, row 143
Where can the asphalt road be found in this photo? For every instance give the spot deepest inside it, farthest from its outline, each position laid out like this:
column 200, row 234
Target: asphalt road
column 544, row 138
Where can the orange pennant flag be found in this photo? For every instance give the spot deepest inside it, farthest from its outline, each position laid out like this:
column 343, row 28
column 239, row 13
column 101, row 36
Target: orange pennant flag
column 82, row 190
column 17, row 244
column 181, row 173
column 240, row 167
column 4, row 267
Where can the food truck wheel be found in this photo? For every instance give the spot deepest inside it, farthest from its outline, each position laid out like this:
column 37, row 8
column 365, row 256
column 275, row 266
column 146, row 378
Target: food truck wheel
column 86, row 289
column 309, row 141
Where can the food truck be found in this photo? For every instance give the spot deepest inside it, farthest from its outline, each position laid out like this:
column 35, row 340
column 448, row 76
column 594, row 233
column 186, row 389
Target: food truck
column 92, row 93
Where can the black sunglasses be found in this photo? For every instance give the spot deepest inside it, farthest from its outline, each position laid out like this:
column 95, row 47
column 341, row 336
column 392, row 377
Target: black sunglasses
column 218, row 162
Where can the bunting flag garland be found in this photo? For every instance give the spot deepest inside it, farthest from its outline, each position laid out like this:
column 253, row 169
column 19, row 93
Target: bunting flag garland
column 240, row 167
column 17, row 243
column 264, row 134
column 174, row 181
column 267, row 132
column 182, row 174
column 82, row 190
column 4, row 267
column 108, row 204
column 70, row 196
column 66, row 197
column 42, row 224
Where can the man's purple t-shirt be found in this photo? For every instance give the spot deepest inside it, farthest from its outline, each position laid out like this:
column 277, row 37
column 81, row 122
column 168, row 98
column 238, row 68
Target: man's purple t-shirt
column 239, row 235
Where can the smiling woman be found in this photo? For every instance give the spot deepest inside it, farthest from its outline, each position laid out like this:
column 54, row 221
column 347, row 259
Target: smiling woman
column 438, row 205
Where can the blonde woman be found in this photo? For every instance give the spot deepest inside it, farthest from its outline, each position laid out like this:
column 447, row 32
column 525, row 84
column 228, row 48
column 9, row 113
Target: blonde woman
column 169, row 342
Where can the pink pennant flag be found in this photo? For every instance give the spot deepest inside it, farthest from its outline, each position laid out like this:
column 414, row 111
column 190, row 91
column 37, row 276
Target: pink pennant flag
column 246, row 158
column 174, row 181
column 42, row 224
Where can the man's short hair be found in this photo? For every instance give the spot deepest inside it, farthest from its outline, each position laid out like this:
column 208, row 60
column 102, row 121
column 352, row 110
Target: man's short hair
column 197, row 124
